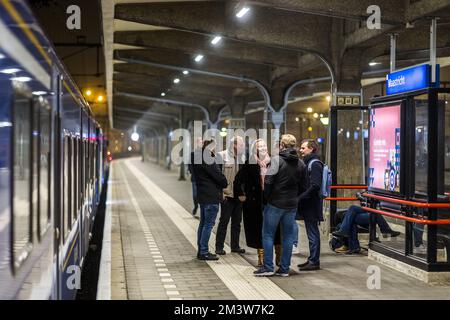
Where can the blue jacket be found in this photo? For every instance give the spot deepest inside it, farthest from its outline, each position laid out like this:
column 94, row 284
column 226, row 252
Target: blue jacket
column 310, row 206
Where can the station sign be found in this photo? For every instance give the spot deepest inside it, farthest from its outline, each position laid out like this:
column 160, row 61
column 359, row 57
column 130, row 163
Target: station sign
column 411, row 79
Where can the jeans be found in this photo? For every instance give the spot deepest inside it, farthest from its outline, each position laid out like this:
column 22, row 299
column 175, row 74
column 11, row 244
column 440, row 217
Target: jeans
column 208, row 214
column 230, row 209
column 272, row 216
column 356, row 211
column 312, row 231
column 356, row 216
column 194, row 196
column 295, row 233
column 418, row 234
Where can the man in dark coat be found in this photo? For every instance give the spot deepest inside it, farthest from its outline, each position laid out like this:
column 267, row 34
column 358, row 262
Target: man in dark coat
column 210, row 184
column 198, row 147
column 310, row 203
column 282, row 186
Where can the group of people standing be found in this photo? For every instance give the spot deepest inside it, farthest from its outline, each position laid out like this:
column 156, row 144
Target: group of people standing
column 269, row 192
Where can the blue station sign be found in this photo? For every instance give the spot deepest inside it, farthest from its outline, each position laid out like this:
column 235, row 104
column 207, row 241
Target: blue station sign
column 411, row 79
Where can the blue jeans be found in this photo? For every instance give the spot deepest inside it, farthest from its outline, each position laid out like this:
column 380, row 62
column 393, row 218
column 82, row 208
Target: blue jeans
column 313, row 233
column 272, row 216
column 418, row 234
column 208, row 214
column 356, row 216
column 295, row 233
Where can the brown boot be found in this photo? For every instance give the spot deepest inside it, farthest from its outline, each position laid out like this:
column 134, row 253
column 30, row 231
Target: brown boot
column 260, row 257
column 278, row 253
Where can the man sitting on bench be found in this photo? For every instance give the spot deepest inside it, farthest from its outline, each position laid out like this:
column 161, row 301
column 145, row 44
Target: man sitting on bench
column 354, row 217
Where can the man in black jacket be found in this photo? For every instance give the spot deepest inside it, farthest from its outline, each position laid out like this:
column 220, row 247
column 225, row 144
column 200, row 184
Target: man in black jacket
column 310, row 204
column 282, row 185
column 210, row 183
column 198, row 147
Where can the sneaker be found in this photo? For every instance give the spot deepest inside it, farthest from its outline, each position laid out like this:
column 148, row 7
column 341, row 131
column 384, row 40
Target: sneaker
column 281, row 274
column 310, row 267
column 339, row 233
column 342, row 249
column 354, row 251
column 420, row 249
column 262, row 272
column 391, row 234
column 221, row 252
column 301, row 265
column 208, row 257
column 238, row 250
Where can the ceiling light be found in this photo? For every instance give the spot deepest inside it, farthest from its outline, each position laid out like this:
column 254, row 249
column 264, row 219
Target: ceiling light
column 316, row 115
column 185, row 72
column 328, row 98
column 88, row 93
column 199, row 58
column 242, row 12
column 216, row 40
column 10, row 70
column 325, row 121
column 163, row 94
column 130, row 148
column 297, row 119
column 100, row 98
column 135, row 136
column 321, row 115
column 21, row 79
column 39, row 93
column 373, row 63
column 176, row 80
column 309, row 109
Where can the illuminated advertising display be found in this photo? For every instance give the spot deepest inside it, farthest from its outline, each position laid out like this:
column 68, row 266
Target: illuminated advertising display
column 384, row 151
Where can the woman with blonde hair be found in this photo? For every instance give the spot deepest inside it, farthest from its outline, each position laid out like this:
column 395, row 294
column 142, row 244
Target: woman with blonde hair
column 249, row 185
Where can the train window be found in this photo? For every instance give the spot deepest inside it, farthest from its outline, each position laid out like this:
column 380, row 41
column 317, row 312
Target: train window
column 35, row 161
column 21, row 177
column 75, row 179
column 44, row 165
column 67, row 217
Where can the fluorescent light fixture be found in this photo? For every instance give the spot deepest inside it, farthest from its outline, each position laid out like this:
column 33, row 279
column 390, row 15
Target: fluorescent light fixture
column 185, row 72
column 216, row 40
column 10, row 70
column 163, row 94
column 325, row 121
column 4, row 124
column 242, row 12
column 39, row 93
column 373, row 63
column 21, row 79
column 176, row 80
column 199, row 58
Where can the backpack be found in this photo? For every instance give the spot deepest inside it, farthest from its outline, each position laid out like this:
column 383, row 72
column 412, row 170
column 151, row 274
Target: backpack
column 325, row 189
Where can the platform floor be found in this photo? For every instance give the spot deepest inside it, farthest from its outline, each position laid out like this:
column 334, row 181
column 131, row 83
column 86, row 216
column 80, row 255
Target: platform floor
column 150, row 253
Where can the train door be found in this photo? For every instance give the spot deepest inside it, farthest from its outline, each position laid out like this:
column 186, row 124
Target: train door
column 56, row 182
column 348, row 156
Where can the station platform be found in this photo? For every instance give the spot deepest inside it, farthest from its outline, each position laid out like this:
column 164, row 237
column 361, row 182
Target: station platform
column 149, row 252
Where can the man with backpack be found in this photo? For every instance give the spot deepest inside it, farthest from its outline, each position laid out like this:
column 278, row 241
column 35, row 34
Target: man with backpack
column 311, row 202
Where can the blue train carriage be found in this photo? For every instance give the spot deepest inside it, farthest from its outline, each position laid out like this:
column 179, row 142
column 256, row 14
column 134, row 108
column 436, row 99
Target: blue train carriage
column 51, row 165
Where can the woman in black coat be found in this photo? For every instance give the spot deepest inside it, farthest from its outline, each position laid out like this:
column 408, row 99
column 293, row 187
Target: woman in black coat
column 249, row 184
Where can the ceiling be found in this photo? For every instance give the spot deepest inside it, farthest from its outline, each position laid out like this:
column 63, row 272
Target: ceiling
column 279, row 44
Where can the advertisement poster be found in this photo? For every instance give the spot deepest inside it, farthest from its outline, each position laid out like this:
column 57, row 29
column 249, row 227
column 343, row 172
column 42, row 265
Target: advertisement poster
column 384, row 142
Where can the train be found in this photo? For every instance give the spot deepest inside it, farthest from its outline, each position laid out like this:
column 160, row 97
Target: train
column 53, row 164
